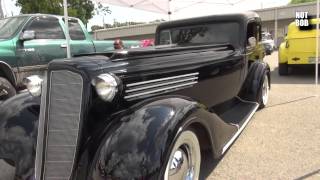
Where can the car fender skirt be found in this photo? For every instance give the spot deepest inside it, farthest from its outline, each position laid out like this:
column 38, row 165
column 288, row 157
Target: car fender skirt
column 18, row 132
column 139, row 145
column 253, row 82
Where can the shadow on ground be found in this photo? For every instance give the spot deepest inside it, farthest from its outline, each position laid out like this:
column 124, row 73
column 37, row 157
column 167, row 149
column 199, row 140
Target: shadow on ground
column 208, row 164
column 297, row 75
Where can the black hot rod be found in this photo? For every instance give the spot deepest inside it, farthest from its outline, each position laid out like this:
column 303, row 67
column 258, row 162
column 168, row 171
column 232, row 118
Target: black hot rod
column 140, row 113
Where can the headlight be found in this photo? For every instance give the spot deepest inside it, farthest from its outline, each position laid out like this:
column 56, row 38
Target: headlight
column 106, row 86
column 33, row 84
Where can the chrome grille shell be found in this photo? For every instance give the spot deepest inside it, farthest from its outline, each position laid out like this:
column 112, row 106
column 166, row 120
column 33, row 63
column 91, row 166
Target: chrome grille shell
column 59, row 125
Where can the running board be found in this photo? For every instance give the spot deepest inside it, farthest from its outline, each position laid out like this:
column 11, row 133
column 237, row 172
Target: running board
column 238, row 113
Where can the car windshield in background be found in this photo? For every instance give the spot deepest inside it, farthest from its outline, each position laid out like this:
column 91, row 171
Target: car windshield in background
column 218, row 33
column 10, row 26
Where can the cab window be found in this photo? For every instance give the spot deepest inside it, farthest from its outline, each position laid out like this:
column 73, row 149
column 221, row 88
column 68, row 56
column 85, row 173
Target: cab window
column 46, row 28
column 75, row 30
column 254, row 30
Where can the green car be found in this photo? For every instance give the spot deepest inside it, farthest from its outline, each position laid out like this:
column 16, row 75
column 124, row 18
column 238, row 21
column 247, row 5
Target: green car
column 29, row 42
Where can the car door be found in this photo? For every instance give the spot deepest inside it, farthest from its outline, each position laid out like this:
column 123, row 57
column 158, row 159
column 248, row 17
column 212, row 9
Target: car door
column 80, row 42
column 48, row 44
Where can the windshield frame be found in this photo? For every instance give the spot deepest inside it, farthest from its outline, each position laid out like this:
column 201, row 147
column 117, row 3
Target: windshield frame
column 170, row 30
column 18, row 28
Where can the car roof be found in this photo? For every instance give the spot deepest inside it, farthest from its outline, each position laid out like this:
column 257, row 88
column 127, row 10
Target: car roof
column 42, row 15
column 239, row 17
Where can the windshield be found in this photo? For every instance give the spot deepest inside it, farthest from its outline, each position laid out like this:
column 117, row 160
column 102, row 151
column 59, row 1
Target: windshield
column 217, row 33
column 9, row 26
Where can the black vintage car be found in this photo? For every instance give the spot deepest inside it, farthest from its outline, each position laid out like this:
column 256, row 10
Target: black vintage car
column 140, row 113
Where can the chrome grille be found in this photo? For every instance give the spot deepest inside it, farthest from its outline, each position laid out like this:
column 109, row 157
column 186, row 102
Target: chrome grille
column 160, row 86
column 64, row 111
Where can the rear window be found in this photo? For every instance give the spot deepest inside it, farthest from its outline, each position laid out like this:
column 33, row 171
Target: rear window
column 308, row 28
column 218, row 33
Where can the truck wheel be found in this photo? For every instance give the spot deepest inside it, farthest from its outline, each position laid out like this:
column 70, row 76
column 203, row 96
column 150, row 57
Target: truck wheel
column 263, row 96
column 283, row 69
column 185, row 158
column 6, row 89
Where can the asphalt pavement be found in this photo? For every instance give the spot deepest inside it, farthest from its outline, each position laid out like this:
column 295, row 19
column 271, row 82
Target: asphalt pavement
column 282, row 141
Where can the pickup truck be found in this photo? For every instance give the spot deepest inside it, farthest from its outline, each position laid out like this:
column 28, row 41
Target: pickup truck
column 140, row 113
column 29, row 42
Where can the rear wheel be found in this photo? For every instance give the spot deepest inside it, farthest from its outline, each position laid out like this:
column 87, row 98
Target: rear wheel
column 6, row 89
column 283, row 69
column 263, row 96
column 185, row 158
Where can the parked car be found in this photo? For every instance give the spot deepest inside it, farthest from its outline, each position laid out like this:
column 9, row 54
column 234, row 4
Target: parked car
column 267, row 39
column 29, row 42
column 268, row 48
column 142, row 113
column 298, row 47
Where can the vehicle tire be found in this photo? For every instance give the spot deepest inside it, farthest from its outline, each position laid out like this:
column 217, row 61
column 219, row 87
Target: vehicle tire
column 263, row 95
column 283, row 69
column 9, row 161
column 185, row 158
column 6, row 89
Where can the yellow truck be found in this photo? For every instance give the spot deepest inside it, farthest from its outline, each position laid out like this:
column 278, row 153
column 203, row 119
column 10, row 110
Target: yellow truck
column 298, row 47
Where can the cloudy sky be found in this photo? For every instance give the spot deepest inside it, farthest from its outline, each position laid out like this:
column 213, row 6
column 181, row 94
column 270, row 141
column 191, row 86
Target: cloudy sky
column 183, row 9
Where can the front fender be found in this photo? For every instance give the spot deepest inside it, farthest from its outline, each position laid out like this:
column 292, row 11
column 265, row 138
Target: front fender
column 136, row 147
column 283, row 57
column 253, row 82
column 18, row 132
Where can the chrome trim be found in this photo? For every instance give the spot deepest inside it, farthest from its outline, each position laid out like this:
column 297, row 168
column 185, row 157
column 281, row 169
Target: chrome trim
column 161, row 84
column 161, row 79
column 159, row 90
column 47, row 125
column 40, row 137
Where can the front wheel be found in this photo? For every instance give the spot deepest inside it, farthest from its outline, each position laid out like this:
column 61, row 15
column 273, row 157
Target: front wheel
column 263, row 96
column 6, row 89
column 185, row 158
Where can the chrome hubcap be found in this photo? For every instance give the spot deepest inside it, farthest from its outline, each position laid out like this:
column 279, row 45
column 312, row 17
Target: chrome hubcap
column 265, row 90
column 185, row 158
column 3, row 92
column 181, row 165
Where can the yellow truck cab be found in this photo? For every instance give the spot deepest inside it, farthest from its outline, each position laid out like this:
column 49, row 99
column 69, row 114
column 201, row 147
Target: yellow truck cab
column 298, row 47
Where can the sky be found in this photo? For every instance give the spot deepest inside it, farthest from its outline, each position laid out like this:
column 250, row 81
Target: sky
column 123, row 14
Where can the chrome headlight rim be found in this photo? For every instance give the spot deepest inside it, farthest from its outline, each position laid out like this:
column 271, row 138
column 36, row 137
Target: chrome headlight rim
column 106, row 86
column 33, row 84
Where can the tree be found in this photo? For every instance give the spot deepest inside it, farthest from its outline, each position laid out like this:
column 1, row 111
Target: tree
column 103, row 11
column 301, row 1
column 82, row 9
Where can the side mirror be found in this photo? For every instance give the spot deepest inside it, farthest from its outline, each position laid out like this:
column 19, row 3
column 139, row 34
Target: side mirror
column 27, row 35
column 252, row 42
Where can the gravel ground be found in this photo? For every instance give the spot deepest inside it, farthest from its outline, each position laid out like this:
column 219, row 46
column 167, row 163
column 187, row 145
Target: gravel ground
column 282, row 141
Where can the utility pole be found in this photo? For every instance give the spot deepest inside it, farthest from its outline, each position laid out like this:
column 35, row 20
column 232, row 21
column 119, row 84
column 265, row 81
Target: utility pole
column 317, row 43
column 276, row 27
column 1, row 11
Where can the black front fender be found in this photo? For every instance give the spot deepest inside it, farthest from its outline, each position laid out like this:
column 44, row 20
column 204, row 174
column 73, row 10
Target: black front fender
column 18, row 132
column 137, row 146
column 254, row 80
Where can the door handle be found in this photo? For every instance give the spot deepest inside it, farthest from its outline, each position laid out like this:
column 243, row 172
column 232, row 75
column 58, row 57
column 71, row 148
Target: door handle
column 63, row 46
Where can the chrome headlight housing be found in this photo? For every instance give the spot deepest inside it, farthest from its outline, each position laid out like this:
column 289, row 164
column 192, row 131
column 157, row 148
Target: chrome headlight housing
column 106, row 86
column 33, row 84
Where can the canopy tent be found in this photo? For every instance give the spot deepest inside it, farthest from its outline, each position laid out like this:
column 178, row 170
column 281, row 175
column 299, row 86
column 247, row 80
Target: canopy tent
column 165, row 7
